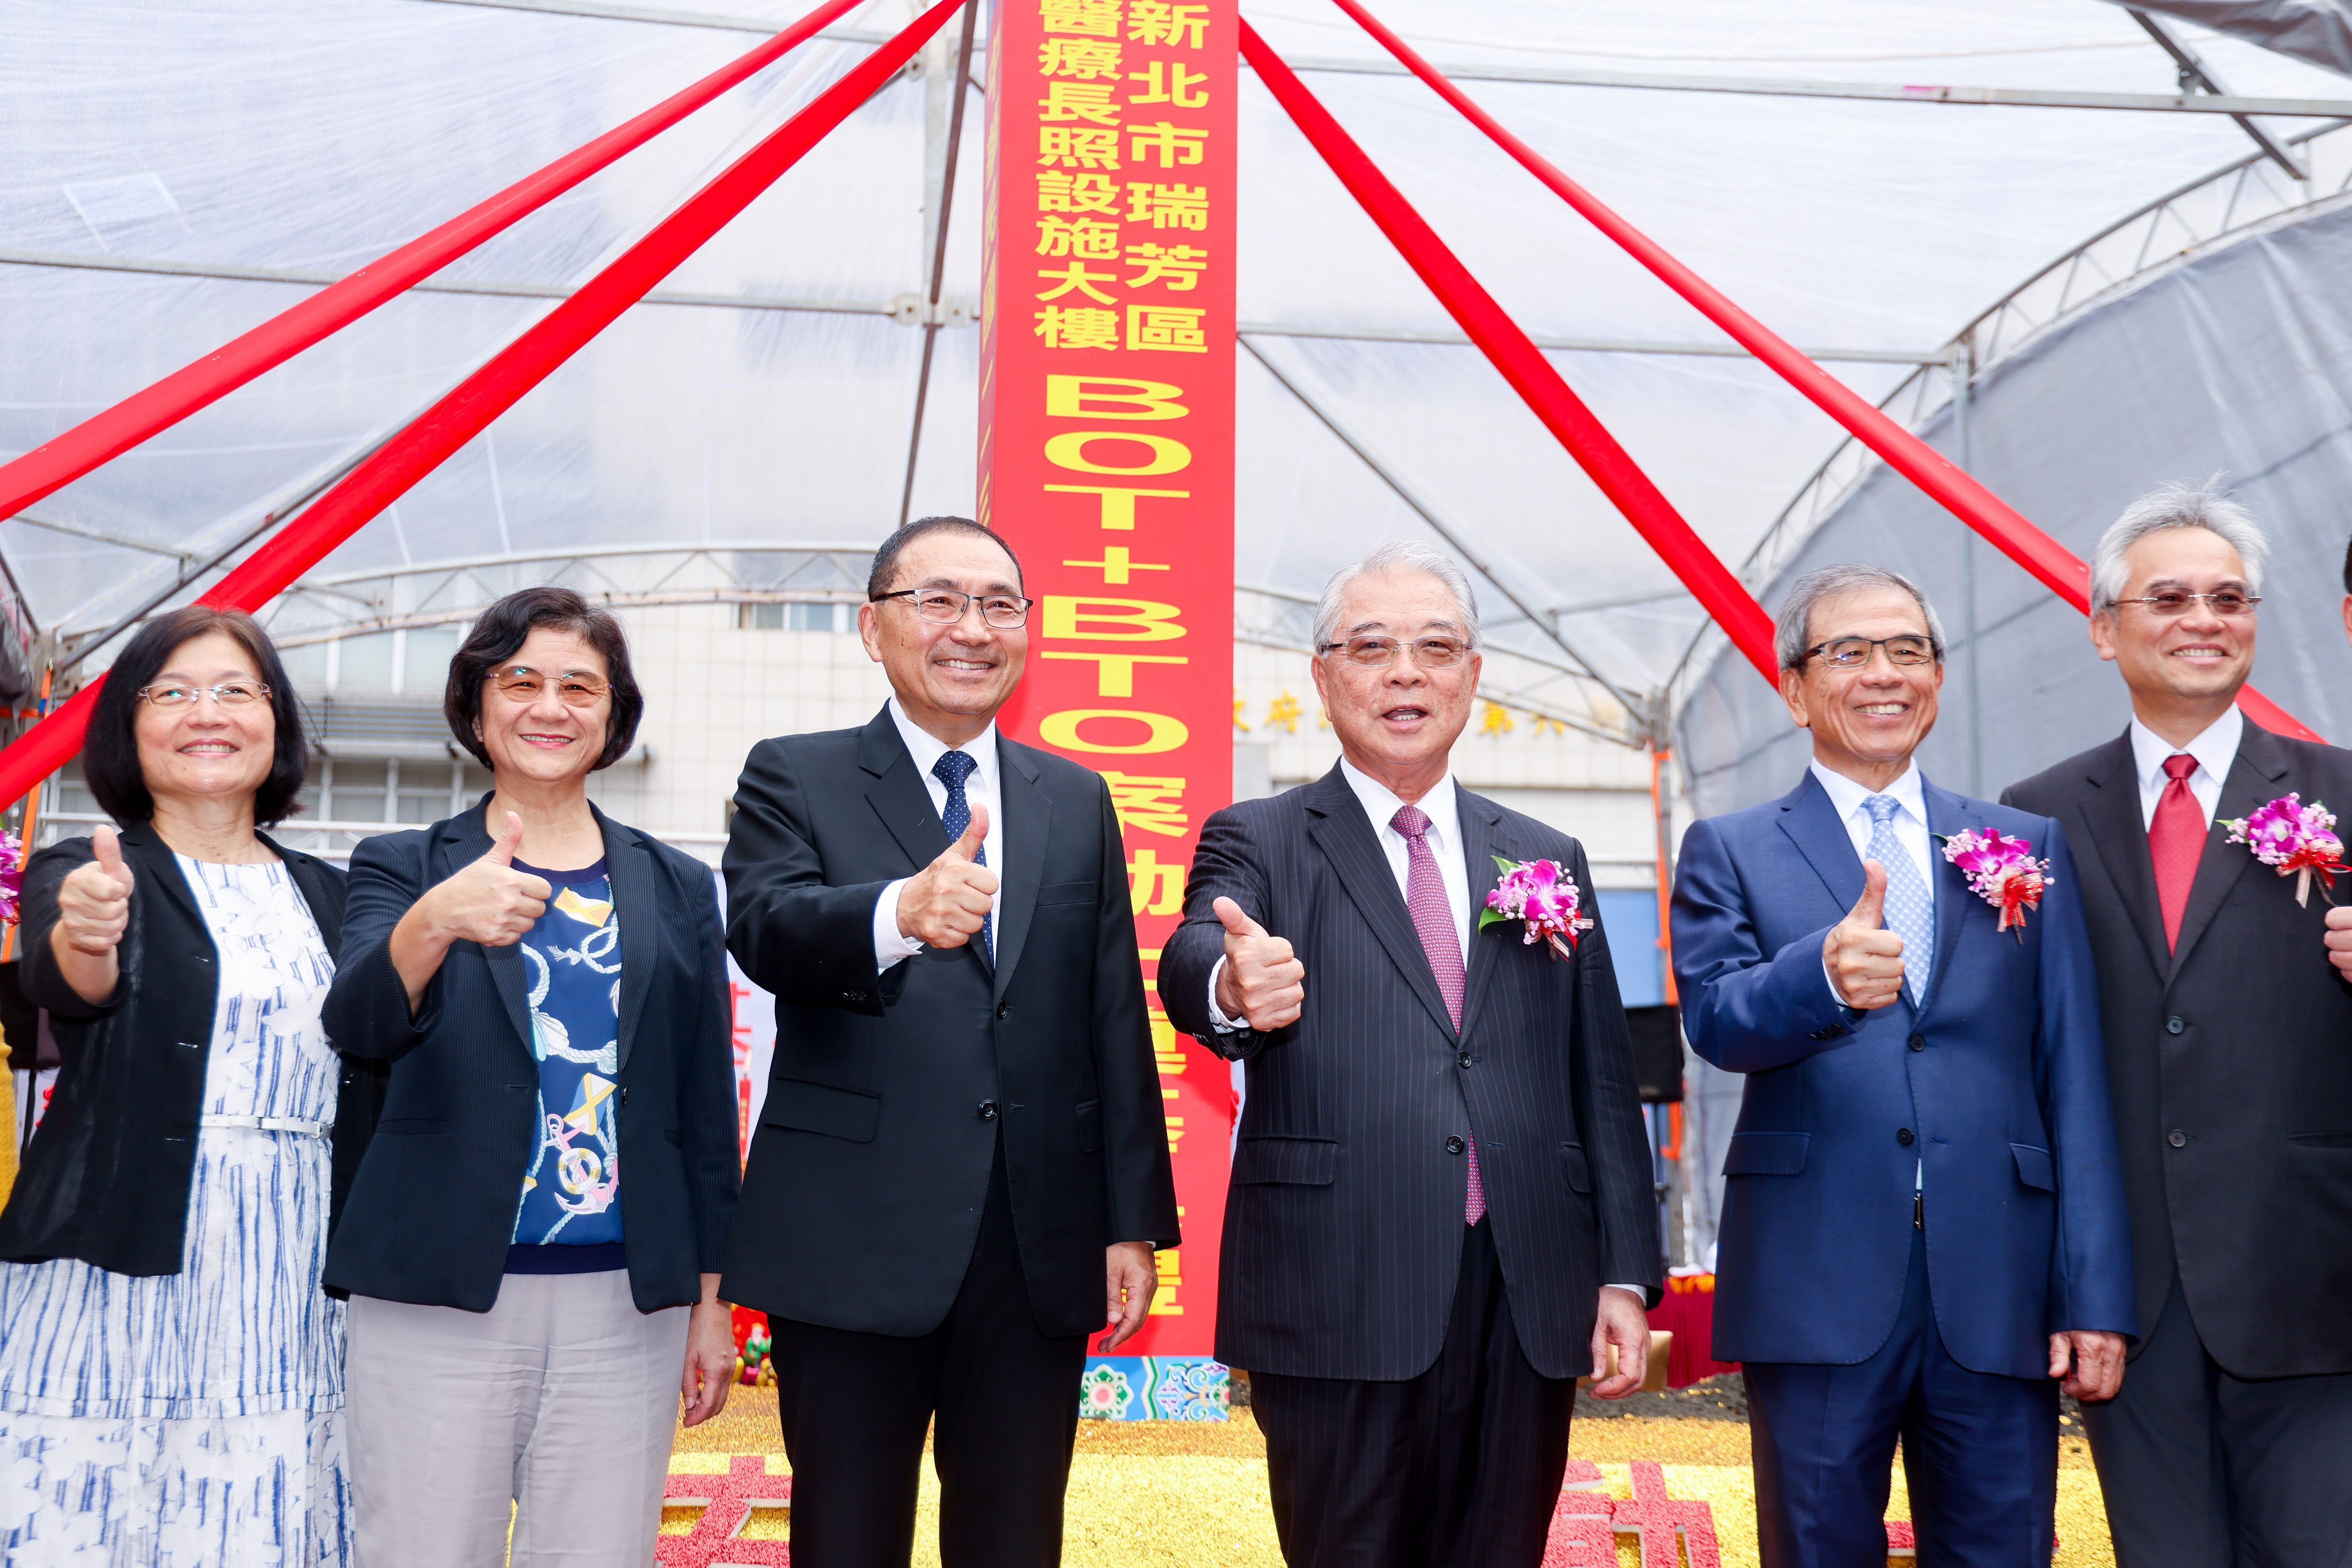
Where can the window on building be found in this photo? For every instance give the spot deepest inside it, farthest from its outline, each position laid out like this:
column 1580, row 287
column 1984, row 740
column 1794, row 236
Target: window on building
column 351, row 791
column 796, row 616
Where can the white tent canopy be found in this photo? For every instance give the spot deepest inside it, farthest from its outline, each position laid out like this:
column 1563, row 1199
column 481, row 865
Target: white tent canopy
column 171, row 175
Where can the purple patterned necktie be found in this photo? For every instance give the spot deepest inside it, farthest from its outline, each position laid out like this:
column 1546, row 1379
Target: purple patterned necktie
column 1441, row 939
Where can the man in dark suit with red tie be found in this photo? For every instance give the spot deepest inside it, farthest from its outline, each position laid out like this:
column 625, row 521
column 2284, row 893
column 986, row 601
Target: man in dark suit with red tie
column 2229, row 1041
column 1442, row 1211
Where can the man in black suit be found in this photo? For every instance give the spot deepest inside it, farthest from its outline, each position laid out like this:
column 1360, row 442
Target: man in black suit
column 961, row 1169
column 2229, row 1041
column 1442, row 1209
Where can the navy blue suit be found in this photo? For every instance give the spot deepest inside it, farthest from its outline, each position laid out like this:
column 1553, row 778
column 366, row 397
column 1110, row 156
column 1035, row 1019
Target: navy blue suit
column 1988, row 1099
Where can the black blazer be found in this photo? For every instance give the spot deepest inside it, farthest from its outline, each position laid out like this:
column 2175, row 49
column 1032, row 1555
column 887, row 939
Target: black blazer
column 862, row 1200
column 108, row 1174
column 2229, row 1061
column 1343, row 1227
column 433, row 1210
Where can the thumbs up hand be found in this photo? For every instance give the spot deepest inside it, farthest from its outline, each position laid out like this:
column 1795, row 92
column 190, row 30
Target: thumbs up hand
column 1262, row 980
column 1864, row 960
column 94, row 900
column 945, row 904
column 489, row 901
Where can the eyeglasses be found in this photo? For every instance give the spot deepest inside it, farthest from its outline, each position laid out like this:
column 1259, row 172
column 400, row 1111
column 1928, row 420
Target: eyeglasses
column 578, row 688
column 235, row 694
column 1378, row 652
column 2165, row 606
column 945, row 606
column 1854, row 652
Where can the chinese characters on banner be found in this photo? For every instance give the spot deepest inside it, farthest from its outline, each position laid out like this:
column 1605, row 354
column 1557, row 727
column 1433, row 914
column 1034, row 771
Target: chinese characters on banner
column 1106, row 460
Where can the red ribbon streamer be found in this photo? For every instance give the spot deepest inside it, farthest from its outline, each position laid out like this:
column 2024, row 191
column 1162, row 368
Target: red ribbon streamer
column 490, row 391
column 2058, row 567
column 104, row 436
column 1524, row 366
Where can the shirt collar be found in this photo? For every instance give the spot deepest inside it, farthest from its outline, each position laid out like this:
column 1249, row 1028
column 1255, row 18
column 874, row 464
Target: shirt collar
column 927, row 748
column 1910, row 790
column 2215, row 749
column 1380, row 803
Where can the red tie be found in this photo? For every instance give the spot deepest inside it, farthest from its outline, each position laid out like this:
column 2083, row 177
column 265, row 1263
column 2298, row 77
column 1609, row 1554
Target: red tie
column 1441, row 939
column 2175, row 840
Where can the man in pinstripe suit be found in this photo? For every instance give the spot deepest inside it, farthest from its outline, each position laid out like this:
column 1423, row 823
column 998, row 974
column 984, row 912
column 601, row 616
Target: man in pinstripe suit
column 1441, row 1210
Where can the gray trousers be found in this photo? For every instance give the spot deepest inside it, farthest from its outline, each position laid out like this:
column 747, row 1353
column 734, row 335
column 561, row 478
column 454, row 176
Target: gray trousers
column 2202, row 1469
column 560, row 1400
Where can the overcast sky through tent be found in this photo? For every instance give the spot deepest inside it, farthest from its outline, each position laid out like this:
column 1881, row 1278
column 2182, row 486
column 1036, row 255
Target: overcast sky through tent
column 310, row 137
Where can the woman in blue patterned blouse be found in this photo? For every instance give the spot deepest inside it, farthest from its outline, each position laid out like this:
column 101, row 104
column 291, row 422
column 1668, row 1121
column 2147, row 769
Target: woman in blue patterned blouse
column 534, row 1240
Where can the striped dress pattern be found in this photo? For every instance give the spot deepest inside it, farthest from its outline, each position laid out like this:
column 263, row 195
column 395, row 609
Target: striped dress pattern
column 196, row 1418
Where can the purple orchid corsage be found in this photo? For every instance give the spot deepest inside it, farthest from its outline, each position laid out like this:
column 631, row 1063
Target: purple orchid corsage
column 1999, row 870
column 2295, row 838
column 1544, row 898
column 12, row 875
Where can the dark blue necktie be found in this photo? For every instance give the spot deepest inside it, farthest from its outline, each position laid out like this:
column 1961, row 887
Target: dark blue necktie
column 952, row 770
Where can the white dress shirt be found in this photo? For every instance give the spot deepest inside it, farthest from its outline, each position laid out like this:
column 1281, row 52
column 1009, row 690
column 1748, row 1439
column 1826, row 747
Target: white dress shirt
column 980, row 789
column 2215, row 750
column 1441, row 806
column 1910, row 825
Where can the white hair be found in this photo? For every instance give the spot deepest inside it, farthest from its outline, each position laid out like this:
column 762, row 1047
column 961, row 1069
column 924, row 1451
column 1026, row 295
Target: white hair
column 1396, row 556
column 2176, row 504
column 1792, row 631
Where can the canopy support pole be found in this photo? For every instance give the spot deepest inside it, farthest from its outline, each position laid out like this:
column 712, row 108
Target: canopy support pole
column 103, row 436
column 1523, row 365
column 2057, row 568
column 417, row 450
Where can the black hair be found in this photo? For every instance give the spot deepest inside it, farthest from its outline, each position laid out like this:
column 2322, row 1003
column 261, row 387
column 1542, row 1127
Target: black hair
column 885, row 559
column 502, row 629
column 2347, row 569
column 109, row 754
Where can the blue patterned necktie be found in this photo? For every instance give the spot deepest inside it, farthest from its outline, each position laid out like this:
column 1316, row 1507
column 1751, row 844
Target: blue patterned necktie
column 952, row 770
column 1910, row 913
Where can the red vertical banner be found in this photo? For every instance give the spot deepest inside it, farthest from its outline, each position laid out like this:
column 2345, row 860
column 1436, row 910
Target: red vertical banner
column 1106, row 459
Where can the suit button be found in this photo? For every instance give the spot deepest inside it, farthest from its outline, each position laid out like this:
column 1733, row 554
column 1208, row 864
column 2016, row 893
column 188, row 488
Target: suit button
column 2175, row 1025
column 2177, row 1138
column 1004, row 1009
column 1903, row 1136
column 988, row 1110
column 625, row 1094
column 1918, row 1042
column 849, row 996
column 1463, row 1060
column 1455, row 1145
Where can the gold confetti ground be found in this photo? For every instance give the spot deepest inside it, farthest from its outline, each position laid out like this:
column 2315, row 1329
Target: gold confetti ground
column 1154, row 1494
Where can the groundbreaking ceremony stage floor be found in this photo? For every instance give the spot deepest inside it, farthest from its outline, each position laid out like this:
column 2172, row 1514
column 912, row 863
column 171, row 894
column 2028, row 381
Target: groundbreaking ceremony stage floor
column 1174, row 1494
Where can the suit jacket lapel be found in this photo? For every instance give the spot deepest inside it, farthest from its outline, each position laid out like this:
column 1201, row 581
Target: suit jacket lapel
column 1947, row 814
column 2255, row 777
column 1028, row 828
column 1336, row 821
column 1812, row 825
column 898, row 795
column 1480, row 818
column 630, row 867
column 467, row 840
column 2109, row 836
column 151, row 859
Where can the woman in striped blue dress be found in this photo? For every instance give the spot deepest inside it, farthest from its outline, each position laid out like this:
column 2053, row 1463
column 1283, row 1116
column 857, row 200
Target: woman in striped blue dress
column 171, row 1371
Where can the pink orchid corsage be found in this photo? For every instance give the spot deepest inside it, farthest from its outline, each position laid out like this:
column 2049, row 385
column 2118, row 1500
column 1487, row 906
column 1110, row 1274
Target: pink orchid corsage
column 2002, row 871
column 12, row 875
column 2294, row 838
column 1542, row 895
